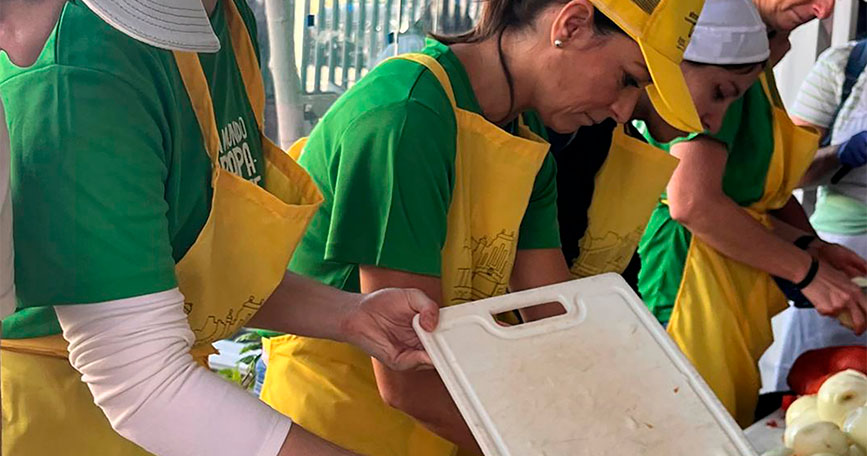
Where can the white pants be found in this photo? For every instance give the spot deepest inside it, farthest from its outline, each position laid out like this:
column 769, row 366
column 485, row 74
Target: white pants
column 799, row 330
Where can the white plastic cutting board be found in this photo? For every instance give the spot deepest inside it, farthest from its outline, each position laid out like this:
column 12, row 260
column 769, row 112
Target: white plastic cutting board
column 603, row 379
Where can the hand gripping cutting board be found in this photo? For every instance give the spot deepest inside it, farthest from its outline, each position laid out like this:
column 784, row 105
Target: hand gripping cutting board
column 603, row 379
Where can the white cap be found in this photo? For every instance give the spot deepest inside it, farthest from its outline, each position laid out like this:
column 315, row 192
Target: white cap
column 179, row 25
column 728, row 32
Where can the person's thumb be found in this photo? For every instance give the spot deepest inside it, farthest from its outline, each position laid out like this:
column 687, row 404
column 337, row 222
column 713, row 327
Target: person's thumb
column 427, row 308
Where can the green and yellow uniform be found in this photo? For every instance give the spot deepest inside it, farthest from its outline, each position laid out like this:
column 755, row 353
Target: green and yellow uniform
column 136, row 170
column 384, row 158
column 718, row 309
column 414, row 183
column 110, row 180
column 747, row 133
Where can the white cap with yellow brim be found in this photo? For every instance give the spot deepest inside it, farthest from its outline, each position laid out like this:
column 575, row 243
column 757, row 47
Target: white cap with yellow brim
column 662, row 29
column 179, row 25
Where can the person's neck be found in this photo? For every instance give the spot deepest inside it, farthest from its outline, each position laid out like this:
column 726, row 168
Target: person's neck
column 780, row 46
column 488, row 79
column 25, row 26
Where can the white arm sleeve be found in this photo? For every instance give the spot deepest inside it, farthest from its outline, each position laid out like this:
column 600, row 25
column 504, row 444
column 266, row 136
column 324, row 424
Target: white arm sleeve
column 133, row 354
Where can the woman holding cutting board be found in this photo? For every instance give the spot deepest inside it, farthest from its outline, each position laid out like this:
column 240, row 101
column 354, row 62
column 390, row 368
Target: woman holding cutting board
column 155, row 218
column 436, row 176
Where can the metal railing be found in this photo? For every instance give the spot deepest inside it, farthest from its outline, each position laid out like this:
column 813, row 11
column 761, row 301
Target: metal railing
column 343, row 37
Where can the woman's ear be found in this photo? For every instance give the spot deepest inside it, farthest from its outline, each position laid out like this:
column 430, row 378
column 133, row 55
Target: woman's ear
column 574, row 24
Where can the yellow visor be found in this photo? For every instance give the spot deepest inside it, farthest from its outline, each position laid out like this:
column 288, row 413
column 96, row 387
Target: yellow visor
column 662, row 29
column 669, row 93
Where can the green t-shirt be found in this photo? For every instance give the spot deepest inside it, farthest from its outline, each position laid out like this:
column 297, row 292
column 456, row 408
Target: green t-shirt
column 384, row 158
column 110, row 178
column 747, row 132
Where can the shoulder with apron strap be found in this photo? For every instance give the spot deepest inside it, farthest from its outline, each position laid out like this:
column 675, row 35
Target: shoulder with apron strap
column 769, row 84
column 434, row 66
column 297, row 148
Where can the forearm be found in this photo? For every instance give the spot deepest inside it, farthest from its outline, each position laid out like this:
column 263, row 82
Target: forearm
column 793, row 214
column 728, row 228
column 697, row 201
column 536, row 268
column 300, row 442
column 786, row 231
column 306, row 307
column 420, row 394
column 822, row 167
column 133, row 354
column 423, row 396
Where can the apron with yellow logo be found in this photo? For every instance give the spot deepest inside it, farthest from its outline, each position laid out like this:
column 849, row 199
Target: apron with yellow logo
column 722, row 314
column 328, row 387
column 237, row 261
column 625, row 192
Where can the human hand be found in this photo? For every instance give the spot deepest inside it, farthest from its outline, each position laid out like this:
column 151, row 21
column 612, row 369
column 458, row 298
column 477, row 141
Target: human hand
column 833, row 294
column 381, row 325
column 839, row 257
column 854, row 151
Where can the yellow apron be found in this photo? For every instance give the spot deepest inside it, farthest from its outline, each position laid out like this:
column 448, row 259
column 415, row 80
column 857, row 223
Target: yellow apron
column 329, row 388
column 625, row 193
column 722, row 314
column 237, row 261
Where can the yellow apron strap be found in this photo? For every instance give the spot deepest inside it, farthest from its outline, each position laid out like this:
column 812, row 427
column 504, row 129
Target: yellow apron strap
column 200, row 98
column 248, row 64
column 46, row 346
column 431, row 64
column 297, row 148
column 769, row 83
column 197, row 84
column 58, row 347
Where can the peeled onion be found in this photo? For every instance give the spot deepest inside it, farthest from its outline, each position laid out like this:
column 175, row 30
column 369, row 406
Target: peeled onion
column 801, row 405
column 856, row 450
column 803, row 420
column 821, row 437
column 840, row 394
column 855, row 426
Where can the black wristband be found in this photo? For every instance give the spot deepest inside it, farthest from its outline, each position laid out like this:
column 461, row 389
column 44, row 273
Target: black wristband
column 811, row 274
column 804, row 241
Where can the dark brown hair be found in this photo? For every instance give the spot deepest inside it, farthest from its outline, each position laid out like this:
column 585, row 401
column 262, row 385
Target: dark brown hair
column 499, row 15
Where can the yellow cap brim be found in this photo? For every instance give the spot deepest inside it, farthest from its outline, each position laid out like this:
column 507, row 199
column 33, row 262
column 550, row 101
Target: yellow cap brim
column 669, row 92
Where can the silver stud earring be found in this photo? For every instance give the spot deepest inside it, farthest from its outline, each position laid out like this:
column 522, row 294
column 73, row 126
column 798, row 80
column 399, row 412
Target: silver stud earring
column 558, row 43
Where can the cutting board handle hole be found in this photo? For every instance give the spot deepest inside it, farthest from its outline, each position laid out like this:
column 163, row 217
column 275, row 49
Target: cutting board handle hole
column 516, row 317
